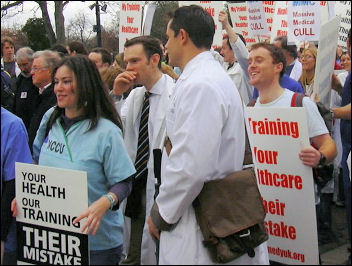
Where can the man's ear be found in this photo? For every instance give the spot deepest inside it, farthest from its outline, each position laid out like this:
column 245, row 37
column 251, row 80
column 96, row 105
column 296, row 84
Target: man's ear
column 278, row 67
column 155, row 58
column 184, row 36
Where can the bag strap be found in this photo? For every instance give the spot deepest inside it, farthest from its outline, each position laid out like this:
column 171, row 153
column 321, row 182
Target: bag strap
column 252, row 102
column 297, row 100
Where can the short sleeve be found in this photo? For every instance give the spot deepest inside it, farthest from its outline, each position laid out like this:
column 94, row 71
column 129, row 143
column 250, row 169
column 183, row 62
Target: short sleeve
column 316, row 124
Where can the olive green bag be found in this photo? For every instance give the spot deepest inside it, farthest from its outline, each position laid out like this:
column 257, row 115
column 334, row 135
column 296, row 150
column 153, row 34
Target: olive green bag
column 230, row 214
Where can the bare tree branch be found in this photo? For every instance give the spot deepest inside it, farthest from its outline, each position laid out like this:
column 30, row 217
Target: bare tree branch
column 9, row 5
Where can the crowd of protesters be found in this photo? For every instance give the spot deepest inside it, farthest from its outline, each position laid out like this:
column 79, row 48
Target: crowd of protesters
column 185, row 99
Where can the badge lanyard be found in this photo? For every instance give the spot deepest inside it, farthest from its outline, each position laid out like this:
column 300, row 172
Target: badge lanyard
column 68, row 147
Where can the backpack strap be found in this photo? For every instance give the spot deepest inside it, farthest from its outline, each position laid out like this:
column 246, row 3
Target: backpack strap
column 252, row 102
column 297, row 100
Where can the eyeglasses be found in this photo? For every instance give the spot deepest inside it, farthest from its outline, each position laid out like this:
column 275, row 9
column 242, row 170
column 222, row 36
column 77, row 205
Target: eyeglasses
column 306, row 57
column 36, row 69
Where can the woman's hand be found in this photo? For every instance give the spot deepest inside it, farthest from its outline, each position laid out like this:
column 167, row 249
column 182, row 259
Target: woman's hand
column 14, row 207
column 94, row 214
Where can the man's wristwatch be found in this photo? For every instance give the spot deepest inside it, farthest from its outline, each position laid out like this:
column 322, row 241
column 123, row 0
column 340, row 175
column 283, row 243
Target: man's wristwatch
column 322, row 160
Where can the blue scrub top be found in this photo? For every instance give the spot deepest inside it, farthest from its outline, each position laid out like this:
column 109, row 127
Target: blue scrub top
column 101, row 153
column 14, row 148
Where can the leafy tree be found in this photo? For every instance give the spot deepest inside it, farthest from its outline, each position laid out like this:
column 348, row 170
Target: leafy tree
column 36, row 34
column 161, row 18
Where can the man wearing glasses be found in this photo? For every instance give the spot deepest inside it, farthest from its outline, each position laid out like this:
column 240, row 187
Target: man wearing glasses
column 42, row 67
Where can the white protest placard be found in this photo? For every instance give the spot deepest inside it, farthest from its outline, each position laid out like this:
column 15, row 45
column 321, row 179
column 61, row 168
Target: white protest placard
column 269, row 9
column 280, row 20
column 324, row 66
column 48, row 200
column 303, row 21
column 279, row 26
column 213, row 8
column 343, row 9
column 277, row 135
column 257, row 19
column 239, row 17
column 130, row 21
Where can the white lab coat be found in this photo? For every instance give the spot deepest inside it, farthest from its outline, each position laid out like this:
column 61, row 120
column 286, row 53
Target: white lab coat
column 206, row 127
column 131, row 115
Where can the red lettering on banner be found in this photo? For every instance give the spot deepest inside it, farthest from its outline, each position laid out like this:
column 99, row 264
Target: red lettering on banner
column 281, row 33
column 303, row 32
column 268, row 157
column 276, row 207
column 269, row 10
column 280, row 230
column 284, row 23
column 130, row 20
column 241, row 8
column 282, row 11
column 210, row 10
column 242, row 24
column 269, row 20
column 269, row 3
column 290, row 181
column 243, row 17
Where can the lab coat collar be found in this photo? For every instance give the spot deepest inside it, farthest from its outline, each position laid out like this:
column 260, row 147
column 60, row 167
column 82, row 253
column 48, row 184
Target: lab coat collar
column 194, row 62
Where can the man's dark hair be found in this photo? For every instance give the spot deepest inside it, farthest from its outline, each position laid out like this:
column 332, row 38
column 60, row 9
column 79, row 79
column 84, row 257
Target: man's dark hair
column 196, row 22
column 60, row 49
column 276, row 54
column 78, row 47
column 292, row 49
column 226, row 37
column 105, row 55
column 92, row 94
column 150, row 44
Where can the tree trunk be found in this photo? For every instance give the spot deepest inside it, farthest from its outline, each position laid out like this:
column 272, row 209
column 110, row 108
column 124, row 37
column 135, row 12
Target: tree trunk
column 47, row 23
column 60, row 22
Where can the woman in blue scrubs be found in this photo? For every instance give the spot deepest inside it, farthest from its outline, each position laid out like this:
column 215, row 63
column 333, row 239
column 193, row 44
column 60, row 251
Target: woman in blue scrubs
column 84, row 132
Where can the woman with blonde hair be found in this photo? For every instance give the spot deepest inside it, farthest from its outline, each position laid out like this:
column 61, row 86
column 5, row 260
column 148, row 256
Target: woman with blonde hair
column 308, row 59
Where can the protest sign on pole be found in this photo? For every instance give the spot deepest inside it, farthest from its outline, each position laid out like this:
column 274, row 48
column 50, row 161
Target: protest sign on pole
column 48, row 200
column 280, row 24
column 325, row 62
column 277, row 135
column 213, row 8
column 130, row 21
column 149, row 11
column 239, row 17
column 269, row 9
column 257, row 19
column 303, row 21
column 343, row 9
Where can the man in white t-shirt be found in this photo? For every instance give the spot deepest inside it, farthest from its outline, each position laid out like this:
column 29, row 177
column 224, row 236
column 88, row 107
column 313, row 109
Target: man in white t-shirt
column 266, row 65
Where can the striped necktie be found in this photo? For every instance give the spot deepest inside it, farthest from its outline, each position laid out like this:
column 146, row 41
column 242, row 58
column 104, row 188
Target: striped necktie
column 143, row 141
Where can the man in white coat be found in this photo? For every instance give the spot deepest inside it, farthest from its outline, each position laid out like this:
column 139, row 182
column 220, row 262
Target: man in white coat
column 205, row 125
column 142, row 55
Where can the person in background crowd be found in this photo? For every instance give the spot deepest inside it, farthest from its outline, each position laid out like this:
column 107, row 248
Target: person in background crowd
column 8, row 60
column 43, row 64
column 144, row 131
column 101, row 57
column 109, row 74
column 233, row 50
column 26, row 93
column 309, row 57
column 14, row 148
column 339, row 52
column 7, row 95
column 344, row 112
column 119, row 61
column 205, row 125
column 76, row 47
column 293, row 67
column 86, row 114
column 60, row 49
column 345, row 65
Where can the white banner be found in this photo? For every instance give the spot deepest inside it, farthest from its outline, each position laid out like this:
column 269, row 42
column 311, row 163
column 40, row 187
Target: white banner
column 277, row 135
column 130, row 21
column 257, row 19
column 343, row 9
column 325, row 61
column 280, row 25
column 213, row 8
column 239, row 17
column 303, row 21
column 269, row 9
column 48, row 200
